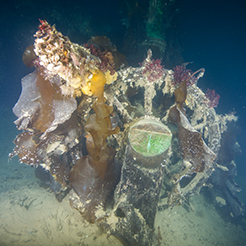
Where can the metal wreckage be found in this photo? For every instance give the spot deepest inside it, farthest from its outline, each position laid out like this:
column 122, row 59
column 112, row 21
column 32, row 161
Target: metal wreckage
column 121, row 144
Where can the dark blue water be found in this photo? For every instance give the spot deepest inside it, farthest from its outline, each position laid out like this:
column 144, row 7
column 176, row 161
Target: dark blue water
column 214, row 38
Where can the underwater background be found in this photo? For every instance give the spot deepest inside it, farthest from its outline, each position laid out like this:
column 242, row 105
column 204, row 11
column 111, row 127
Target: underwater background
column 208, row 34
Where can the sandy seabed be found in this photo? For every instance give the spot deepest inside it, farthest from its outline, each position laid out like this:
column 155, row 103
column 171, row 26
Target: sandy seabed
column 30, row 215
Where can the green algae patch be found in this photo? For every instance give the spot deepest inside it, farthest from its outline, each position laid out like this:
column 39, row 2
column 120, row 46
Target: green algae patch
column 149, row 137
